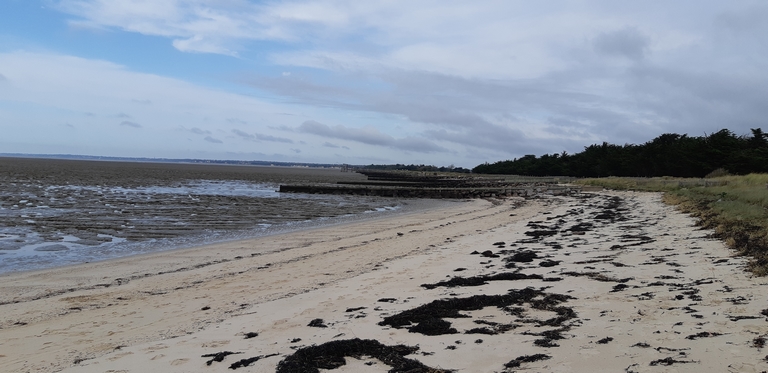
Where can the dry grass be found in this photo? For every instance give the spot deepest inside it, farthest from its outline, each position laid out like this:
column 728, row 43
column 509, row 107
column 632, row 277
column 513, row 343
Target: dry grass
column 735, row 207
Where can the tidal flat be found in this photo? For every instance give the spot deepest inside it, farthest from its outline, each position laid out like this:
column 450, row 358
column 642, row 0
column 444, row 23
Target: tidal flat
column 60, row 212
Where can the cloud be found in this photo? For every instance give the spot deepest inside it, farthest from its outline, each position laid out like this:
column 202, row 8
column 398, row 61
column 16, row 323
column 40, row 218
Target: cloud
column 244, row 135
column 124, row 115
column 143, row 102
column 236, row 121
column 431, row 80
column 628, row 42
column 3, row 78
column 273, row 138
column 262, row 137
column 198, row 131
column 213, row 140
column 334, row 146
column 297, row 151
column 130, row 124
column 371, row 136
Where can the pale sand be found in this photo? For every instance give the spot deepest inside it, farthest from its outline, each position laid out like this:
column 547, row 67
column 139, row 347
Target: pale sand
column 158, row 323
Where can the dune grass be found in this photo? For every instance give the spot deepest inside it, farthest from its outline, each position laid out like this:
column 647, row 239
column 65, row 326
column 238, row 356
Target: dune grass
column 735, row 207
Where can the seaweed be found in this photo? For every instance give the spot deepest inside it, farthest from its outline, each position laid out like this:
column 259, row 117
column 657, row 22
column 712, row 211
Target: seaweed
column 703, row 335
column 482, row 280
column 526, row 359
column 249, row 361
column 489, row 254
column 541, row 233
column 526, row 256
column 330, row 355
column 549, row 263
column 669, row 361
column 619, row 287
column 317, row 323
column 449, row 308
column 218, row 356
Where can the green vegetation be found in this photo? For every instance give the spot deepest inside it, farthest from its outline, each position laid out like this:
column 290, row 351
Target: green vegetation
column 735, row 207
column 667, row 155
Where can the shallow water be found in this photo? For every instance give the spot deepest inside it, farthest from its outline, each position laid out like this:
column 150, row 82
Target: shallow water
column 55, row 212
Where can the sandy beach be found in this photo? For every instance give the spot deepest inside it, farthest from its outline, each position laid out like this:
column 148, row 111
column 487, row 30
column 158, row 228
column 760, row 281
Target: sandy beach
column 601, row 282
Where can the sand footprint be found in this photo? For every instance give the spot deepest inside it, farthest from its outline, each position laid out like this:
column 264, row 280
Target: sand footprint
column 179, row 362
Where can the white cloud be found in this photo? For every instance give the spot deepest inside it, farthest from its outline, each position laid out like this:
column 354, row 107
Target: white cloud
column 483, row 79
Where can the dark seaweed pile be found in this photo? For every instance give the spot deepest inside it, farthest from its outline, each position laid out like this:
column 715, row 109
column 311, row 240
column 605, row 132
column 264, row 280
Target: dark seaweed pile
column 330, row 355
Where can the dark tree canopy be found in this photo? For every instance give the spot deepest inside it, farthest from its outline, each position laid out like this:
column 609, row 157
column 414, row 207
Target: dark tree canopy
column 667, row 155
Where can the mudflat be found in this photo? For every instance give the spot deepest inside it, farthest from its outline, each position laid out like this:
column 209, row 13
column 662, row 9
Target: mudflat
column 608, row 281
column 55, row 212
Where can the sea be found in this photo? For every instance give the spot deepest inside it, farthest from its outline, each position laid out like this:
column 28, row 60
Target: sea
column 62, row 212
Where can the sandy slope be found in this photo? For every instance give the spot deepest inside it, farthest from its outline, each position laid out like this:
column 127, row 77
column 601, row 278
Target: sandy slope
column 628, row 284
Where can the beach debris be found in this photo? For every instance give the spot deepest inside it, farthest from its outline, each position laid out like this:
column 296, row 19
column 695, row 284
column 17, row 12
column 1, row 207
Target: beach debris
column 619, row 287
column 738, row 318
column 250, row 335
column 641, row 344
column 317, row 323
column 330, row 355
column 219, row 356
column 538, row 234
column 759, row 342
column 526, row 359
column 489, row 254
column 669, row 361
column 428, row 318
column 604, row 340
column 353, row 309
column 387, row 300
column 549, row 263
column 599, row 277
column 703, row 335
column 482, row 280
column 525, row 256
column 249, row 361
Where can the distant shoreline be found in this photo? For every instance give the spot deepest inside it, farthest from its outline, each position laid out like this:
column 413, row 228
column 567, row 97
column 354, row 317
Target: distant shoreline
column 78, row 157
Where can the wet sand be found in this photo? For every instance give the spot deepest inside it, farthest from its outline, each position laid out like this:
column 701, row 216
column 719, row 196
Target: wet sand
column 601, row 282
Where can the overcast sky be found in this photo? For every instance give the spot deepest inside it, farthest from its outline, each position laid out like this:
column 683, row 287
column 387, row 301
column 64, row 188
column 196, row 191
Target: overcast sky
column 436, row 82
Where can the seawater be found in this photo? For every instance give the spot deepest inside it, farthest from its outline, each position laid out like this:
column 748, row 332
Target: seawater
column 45, row 225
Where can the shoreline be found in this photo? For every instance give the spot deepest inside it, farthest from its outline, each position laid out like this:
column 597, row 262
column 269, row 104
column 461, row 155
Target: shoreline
column 34, row 303
column 404, row 206
column 599, row 282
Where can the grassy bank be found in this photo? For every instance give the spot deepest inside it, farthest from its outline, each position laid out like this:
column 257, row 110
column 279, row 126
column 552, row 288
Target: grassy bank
column 736, row 207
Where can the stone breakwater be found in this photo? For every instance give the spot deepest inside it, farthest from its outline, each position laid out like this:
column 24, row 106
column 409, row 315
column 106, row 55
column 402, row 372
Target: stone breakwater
column 431, row 185
column 526, row 190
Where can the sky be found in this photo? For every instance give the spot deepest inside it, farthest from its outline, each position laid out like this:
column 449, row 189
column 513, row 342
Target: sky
column 436, row 82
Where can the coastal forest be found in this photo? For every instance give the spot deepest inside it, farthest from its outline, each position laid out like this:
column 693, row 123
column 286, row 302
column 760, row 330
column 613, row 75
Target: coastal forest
column 670, row 154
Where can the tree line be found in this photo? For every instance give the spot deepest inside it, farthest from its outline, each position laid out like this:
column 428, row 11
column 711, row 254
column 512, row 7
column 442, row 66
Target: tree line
column 667, row 155
column 415, row 167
